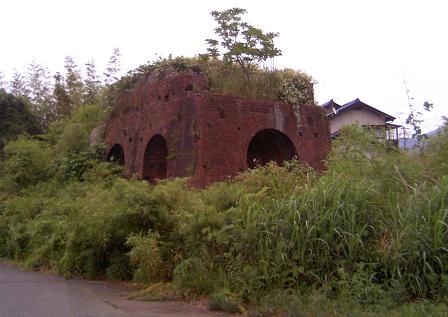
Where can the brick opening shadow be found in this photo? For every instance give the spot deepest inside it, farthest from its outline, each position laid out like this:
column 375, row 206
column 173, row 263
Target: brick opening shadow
column 269, row 145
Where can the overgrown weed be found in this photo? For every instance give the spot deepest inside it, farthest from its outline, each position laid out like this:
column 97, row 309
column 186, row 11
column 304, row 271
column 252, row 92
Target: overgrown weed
column 367, row 237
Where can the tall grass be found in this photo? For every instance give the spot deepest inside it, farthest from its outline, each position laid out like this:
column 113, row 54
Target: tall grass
column 371, row 230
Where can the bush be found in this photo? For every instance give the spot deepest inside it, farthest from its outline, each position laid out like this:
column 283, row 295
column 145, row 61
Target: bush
column 437, row 152
column 193, row 278
column 26, row 162
column 228, row 78
column 225, row 301
column 16, row 118
column 74, row 139
column 368, row 234
column 145, row 256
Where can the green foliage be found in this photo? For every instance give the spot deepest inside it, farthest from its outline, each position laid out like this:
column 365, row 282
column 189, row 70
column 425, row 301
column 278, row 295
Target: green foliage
column 19, row 86
column 113, row 67
column 39, row 93
column 92, row 85
column 145, row 255
column 276, row 85
column 16, row 118
column 89, row 115
column 73, row 139
column 437, row 152
column 26, row 161
column 366, row 237
column 77, row 165
column 225, row 301
column 73, row 83
column 82, row 122
column 296, row 88
column 72, row 136
column 61, row 98
column 243, row 44
column 317, row 303
column 157, row 292
column 193, row 278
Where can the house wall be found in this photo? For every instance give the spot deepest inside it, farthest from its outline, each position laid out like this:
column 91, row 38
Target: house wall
column 207, row 134
column 354, row 116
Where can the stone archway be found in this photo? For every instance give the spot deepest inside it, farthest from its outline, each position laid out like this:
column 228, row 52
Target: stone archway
column 116, row 154
column 269, row 145
column 155, row 159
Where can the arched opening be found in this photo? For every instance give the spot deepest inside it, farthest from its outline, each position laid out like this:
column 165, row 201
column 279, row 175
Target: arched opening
column 155, row 159
column 269, row 145
column 116, row 154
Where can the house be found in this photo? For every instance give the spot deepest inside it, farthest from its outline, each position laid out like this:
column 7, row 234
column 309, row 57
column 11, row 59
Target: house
column 360, row 113
column 173, row 125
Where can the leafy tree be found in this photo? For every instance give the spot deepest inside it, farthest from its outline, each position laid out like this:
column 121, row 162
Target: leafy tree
column 113, row 67
column 73, row 82
column 2, row 81
column 19, row 87
column 16, row 118
column 92, row 84
column 40, row 93
column 60, row 97
column 242, row 43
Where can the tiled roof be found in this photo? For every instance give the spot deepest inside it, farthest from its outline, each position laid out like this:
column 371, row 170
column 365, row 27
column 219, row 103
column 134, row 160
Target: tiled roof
column 356, row 102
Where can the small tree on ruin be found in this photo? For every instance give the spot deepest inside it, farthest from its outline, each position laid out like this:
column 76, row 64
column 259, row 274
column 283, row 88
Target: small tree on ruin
column 241, row 42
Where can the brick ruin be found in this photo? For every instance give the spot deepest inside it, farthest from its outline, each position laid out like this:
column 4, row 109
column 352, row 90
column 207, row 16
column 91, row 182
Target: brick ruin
column 174, row 126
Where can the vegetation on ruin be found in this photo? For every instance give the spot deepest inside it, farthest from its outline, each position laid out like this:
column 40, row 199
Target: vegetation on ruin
column 233, row 64
column 286, row 85
column 367, row 237
column 241, row 43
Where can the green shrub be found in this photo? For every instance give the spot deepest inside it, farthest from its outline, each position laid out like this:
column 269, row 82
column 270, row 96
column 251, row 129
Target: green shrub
column 192, row 277
column 71, row 135
column 365, row 236
column 437, row 152
column 74, row 139
column 106, row 216
column 228, row 78
column 77, row 166
column 225, row 301
column 26, row 161
column 90, row 116
column 145, row 255
column 16, row 118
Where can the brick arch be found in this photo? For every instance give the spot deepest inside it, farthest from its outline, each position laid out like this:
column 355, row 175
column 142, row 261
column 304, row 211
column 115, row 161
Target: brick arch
column 116, row 154
column 155, row 159
column 270, row 145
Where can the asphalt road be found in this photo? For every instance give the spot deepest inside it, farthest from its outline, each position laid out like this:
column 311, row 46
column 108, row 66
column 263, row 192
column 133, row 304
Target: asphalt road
column 36, row 294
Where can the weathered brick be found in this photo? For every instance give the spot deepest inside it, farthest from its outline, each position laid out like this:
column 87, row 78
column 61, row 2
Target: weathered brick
column 173, row 126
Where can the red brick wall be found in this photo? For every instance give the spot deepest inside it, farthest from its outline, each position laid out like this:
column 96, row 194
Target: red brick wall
column 207, row 134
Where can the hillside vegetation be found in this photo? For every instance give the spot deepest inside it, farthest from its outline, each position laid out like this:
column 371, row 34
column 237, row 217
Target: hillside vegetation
column 366, row 237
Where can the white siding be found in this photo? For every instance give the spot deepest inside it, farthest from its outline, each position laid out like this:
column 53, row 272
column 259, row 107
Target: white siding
column 352, row 116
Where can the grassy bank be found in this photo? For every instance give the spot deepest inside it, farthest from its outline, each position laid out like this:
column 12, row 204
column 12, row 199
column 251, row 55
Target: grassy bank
column 367, row 238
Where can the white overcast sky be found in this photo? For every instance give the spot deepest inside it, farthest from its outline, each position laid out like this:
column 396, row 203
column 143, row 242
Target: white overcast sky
column 352, row 48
